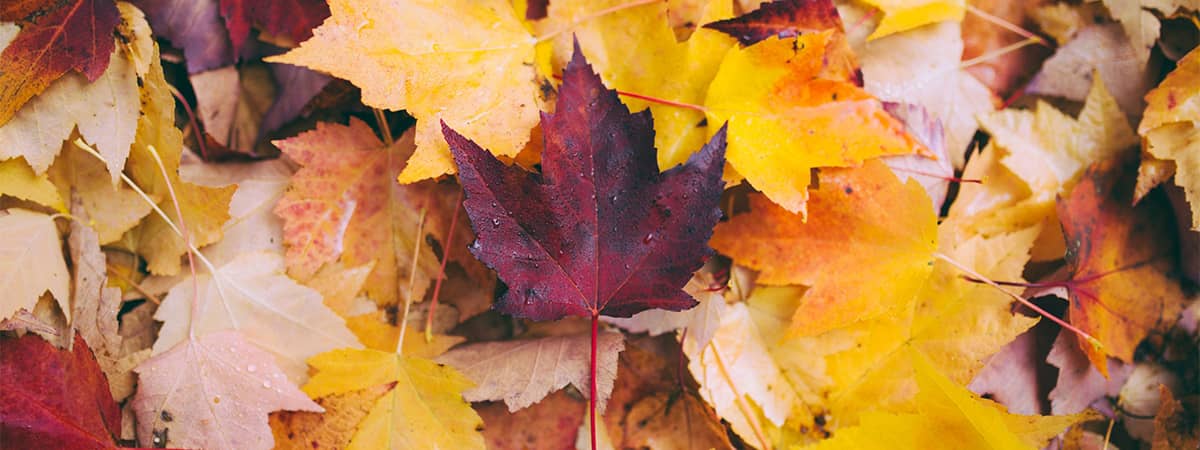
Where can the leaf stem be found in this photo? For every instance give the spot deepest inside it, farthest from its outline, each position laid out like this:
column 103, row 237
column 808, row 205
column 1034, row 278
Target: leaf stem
column 437, row 284
column 192, row 121
column 412, row 282
column 592, row 378
column 998, row 52
column 1053, row 318
column 384, row 128
column 1006, row 25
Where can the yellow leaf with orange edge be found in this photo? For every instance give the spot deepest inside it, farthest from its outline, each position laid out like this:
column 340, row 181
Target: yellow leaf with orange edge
column 423, row 409
column 860, row 367
column 1171, row 131
column 948, row 416
column 479, row 79
column 866, row 248
column 785, row 119
column 904, row 15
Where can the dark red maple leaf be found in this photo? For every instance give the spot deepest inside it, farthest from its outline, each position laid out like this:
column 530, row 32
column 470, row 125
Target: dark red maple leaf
column 294, row 19
column 55, row 38
column 601, row 230
column 54, row 399
column 782, row 18
column 536, row 9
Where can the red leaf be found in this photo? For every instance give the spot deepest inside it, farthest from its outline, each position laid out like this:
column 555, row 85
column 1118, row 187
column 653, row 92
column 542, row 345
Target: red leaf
column 600, row 230
column 74, row 34
column 54, row 398
column 783, row 18
column 294, row 19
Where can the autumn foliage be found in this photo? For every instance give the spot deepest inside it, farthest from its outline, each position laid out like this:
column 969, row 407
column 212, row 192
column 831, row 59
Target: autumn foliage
column 664, row 224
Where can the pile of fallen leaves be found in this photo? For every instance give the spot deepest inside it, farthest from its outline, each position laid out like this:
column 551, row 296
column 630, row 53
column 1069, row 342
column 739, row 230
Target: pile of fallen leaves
column 696, row 224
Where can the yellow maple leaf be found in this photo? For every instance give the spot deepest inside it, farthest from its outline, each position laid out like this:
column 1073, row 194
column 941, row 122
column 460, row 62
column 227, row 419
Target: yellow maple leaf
column 111, row 210
column 903, row 15
column 479, row 78
column 158, row 148
column 1171, row 130
column 423, row 409
column 785, row 118
column 667, row 69
column 948, row 416
column 866, row 226
column 31, row 262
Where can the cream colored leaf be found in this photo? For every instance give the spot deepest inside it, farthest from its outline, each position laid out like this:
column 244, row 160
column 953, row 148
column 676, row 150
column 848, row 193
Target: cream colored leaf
column 479, row 79
column 31, row 262
column 111, row 210
column 739, row 377
column 251, row 225
column 212, row 392
column 252, row 295
column 522, row 372
column 700, row 321
column 106, row 112
column 921, row 66
column 231, row 102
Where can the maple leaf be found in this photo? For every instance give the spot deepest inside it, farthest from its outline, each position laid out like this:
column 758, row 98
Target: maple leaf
column 1119, row 257
column 616, row 236
column 231, row 102
column 1170, row 129
column 903, row 15
column 56, row 37
column 791, row 18
column 344, row 205
column 556, row 420
column 154, row 166
column 921, row 67
column 105, row 109
column 948, row 416
column 54, row 398
column 293, row 19
column 18, row 180
column 1174, row 424
column 213, row 391
column 422, row 409
column 785, row 119
column 252, row 295
column 1048, row 149
column 670, row 72
column 31, row 262
column 878, row 223
column 781, row 18
column 479, row 79
column 523, row 372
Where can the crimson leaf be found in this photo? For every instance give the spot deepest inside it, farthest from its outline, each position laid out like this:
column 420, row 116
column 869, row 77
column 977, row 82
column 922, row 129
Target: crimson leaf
column 601, row 231
column 782, row 18
column 54, row 398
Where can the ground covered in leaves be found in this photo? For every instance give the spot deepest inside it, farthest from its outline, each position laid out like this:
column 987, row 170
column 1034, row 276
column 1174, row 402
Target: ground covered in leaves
column 665, row 224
